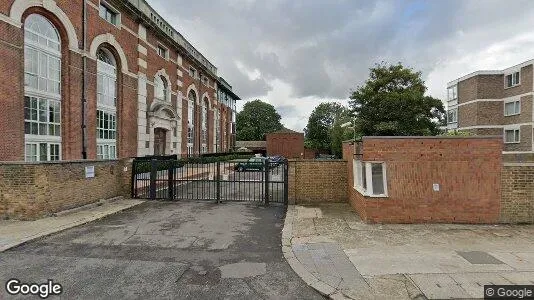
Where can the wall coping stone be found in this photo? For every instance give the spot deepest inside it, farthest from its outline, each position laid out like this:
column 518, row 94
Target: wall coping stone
column 59, row 162
column 315, row 160
column 434, row 137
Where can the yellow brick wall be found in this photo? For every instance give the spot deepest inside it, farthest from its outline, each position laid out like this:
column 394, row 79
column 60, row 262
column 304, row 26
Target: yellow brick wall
column 313, row 181
column 33, row 190
column 517, row 203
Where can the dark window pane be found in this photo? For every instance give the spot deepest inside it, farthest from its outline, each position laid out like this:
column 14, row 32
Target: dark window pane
column 42, row 129
column 43, row 152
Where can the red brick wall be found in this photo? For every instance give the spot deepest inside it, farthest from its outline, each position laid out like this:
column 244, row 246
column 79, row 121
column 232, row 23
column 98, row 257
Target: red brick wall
column 289, row 145
column 468, row 171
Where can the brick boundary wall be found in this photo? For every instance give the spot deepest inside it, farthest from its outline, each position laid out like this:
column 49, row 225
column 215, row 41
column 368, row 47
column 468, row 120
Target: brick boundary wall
column 467, row 170
column 32, row 190
column 517, row 204
column 317, row 181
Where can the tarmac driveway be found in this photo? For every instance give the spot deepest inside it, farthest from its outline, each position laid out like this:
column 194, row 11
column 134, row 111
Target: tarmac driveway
column 194, row 250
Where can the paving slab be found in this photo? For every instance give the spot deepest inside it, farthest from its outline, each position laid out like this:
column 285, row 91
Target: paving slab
column 439, row 286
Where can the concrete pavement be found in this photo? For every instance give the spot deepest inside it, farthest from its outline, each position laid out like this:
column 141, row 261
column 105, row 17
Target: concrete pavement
column 329, row 246
column 14, row 232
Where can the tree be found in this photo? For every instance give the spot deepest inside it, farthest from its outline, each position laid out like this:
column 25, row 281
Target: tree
column 393, row 102
column 256, row 120
column 323, row 131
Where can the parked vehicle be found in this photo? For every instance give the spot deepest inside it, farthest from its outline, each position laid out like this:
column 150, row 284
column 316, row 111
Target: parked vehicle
column 276, row 160
column 253, row 163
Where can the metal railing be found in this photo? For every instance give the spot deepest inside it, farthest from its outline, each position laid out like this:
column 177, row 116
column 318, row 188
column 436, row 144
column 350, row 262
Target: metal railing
column 210, row 178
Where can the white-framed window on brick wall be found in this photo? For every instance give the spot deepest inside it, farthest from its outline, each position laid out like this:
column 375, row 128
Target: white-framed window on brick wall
column 161, row 88
column 191, row 122
column 370, row 178
column 204, row 125
column 42, row 90
column 217, row 121
column 109, row 13
column 452, row 116
column 512, row 79
column 512, row 135
column 106, row 110
column 512, row 107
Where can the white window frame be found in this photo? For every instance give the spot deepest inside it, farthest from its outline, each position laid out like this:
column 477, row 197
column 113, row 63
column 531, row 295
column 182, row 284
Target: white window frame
column 106, row 148
column 160, row 47
column 193, row 72
column 512, row 101
column 455, row 114
column 113, row 10
column 514, row 129
column 358, row 180
column 38, row 149
column 514, row 84
column 43, row 95
column 165, row 88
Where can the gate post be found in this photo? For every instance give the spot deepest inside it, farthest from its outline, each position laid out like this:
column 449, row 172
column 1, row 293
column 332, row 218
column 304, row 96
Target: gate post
column 170, row 181
column 153, row 174
column 286, row 181
column 218, row 182
column 134, row 180
column 266, row 169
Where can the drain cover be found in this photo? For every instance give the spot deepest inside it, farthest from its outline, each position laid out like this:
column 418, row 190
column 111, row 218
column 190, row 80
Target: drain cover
column 479, row 258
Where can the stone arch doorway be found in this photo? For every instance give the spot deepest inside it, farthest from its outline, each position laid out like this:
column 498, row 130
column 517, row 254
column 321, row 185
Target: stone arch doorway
column 160, row 141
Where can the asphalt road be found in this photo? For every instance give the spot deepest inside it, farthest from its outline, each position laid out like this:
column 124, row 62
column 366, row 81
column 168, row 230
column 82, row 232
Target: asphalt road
column 165, row 250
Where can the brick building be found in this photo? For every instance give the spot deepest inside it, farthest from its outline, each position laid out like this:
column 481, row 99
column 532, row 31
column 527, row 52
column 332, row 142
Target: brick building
column 104, row 79
column 285, row 142
column 495, row 103
column 430, row 179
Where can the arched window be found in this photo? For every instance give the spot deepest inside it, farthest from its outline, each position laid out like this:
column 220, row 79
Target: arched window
column 42, row 90
column 204, row 137
column 191, row 121
column 106, row 110
column 161, row 88
column 217, row 122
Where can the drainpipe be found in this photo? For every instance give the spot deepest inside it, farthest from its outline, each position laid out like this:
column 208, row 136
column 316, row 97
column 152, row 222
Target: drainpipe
column 84, row 82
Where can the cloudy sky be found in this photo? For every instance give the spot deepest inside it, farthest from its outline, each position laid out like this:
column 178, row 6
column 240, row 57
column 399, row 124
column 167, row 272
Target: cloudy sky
column 296, row 54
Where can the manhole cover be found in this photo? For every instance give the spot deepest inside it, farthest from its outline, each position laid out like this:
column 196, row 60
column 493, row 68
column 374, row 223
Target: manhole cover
column 479, row 258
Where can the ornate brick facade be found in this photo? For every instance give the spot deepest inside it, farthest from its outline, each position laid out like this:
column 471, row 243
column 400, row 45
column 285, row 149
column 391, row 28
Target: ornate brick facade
column 135, row 39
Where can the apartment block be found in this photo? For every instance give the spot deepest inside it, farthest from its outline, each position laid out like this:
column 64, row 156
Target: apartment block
column 498, row 102
column 104, row 79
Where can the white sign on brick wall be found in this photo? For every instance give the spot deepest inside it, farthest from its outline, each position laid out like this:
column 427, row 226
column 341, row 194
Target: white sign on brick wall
column 89, row 171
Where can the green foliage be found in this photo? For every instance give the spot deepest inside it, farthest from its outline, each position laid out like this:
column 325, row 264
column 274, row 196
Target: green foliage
column 256, row 120
column 324, row 131
column 338, row 135
column 393, row 102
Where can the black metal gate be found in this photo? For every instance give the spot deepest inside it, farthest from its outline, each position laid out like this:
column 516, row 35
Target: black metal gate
column 254, row 179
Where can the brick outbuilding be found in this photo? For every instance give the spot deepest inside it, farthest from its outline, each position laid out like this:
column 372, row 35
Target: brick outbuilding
column 285, row 142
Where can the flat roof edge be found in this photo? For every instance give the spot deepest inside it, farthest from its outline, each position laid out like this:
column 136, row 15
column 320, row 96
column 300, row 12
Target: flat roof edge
column 432, row 137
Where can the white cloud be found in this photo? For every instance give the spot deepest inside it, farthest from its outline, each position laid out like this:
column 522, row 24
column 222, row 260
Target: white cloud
column 295, row 53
